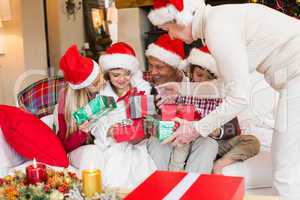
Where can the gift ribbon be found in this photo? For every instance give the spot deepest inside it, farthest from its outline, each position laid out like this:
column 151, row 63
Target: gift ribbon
column 180, row 189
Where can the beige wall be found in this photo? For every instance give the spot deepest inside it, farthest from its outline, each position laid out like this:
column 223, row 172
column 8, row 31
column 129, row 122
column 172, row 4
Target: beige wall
column 34, row 38
column 63, row 31
column 132, row 25
column 12, row 63
column 24, row 45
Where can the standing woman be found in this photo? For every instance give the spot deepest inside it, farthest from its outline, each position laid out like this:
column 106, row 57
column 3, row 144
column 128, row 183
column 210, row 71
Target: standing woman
column 260, row 39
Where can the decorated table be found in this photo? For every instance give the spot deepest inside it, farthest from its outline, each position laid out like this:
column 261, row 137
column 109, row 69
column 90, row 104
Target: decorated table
column 40, row 182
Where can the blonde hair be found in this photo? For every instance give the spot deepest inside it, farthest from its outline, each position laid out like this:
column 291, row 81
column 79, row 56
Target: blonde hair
column 74, row 99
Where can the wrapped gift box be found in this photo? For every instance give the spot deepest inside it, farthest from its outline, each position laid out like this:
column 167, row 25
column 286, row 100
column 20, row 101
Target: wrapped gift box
column 160, row 129
column 188, row 186
column 128, row 131
column 96, row 108
column 171, row 111
column 141, row 106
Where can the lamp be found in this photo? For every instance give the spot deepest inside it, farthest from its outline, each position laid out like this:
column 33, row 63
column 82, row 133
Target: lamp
column 72, row 7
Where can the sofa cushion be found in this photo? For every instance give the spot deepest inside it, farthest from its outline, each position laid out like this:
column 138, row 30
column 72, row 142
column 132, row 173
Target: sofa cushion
column 8, row 156
column 30, row 137
column 257, row 170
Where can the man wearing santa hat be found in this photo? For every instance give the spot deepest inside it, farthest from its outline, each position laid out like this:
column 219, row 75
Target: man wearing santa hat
column 166, row 58
column 259, row 39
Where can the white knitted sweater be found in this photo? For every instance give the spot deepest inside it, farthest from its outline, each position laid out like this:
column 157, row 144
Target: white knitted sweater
column 244, row 38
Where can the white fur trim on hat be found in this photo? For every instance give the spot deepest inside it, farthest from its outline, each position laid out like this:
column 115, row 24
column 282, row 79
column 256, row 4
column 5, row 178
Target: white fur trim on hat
column 202, row 59
column 163, row 55
column 162, row 15
column 169, row 13
column 90, row 79
column 118, row 60
column 183, row 64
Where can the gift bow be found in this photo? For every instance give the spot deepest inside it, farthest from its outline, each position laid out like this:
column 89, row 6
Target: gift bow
column 132, row 92
column 129, row 93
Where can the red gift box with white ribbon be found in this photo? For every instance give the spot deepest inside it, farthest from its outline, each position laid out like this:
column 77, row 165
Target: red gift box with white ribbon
column 129, row 132
column 188, row 186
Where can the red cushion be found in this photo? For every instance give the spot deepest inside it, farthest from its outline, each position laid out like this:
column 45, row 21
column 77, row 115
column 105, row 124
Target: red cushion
column 30, row 137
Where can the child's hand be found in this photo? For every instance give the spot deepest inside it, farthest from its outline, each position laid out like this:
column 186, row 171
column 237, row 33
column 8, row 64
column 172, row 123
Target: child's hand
column 85, row 127
column 110, row 131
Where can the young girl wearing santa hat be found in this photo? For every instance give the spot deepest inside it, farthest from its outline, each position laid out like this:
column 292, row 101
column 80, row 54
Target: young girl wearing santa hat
column 125, row 164
column 84, row 80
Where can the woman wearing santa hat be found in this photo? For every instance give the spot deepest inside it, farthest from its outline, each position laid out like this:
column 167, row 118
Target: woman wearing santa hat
column 244, row 38
column 84, row 80
column 126, row 164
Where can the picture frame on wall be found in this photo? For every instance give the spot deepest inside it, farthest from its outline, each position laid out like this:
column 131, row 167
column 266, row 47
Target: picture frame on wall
column 96, row 27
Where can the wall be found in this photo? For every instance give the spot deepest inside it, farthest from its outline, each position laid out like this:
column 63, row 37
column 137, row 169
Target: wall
column 24, row 45
column 133, row 30
column 34, row 37
column 12, row 63
column 63, row 31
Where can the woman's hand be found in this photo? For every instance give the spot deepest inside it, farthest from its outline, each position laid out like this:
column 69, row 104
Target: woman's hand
column 183, row 135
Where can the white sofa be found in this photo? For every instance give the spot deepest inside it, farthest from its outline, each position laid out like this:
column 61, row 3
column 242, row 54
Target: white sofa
column 257, row 120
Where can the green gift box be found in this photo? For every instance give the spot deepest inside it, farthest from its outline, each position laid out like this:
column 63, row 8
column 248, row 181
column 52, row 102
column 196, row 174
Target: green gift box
column 96, row 108
column 160, row 129
column 165, row 129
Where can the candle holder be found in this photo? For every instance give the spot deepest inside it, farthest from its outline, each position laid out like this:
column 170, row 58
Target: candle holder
column 36, row 173
column 91, row 182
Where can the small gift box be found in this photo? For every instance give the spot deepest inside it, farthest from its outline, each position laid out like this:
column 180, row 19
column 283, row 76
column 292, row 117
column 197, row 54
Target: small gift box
column 141, row 106
column 187, row 186
column 160, row 129
column 138, row 105
column 186, row 112
column 165, row 129
column 96, row 108
column 129, row 131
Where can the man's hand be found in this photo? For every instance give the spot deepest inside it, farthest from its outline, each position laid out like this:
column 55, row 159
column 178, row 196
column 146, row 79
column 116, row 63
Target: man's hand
column 168, row 89
column 185, row 134
column 165, row 100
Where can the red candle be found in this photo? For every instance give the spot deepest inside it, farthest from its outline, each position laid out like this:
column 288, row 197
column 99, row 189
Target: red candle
column 36, row 173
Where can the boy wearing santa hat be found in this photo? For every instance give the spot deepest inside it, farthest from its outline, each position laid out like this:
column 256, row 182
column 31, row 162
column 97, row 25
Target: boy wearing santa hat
column 236, row 147
column 260, row 39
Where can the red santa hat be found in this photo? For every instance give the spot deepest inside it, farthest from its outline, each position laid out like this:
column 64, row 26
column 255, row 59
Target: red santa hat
column 79, row 71
column 202, row 57
column 169, row 51
column 119, row 55
column 182, row 11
